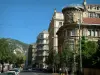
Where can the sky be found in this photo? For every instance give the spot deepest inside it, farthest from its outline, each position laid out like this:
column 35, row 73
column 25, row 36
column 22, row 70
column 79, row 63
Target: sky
column 25, row 19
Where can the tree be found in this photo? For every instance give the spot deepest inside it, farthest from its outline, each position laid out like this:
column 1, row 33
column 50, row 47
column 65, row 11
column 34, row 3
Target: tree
column 53, row 60
column 89, row 48
column 66, row 58
column 96, row 57
column 20, row 58
column 4, row 50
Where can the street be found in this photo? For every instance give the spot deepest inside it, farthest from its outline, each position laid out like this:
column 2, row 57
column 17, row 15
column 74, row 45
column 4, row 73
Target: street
column 34, row 73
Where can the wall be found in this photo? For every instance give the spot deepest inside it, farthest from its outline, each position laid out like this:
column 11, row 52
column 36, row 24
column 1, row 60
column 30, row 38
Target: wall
column 91, row 71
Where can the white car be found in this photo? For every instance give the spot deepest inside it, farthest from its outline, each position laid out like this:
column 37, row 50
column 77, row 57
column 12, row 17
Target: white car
column 16, row 71
column 10, row 73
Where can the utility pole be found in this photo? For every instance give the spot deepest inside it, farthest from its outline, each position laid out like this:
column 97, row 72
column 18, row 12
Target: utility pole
column 80, row 44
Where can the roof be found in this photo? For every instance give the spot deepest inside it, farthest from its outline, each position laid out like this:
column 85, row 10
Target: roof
column 91, row 20
column 74, row 6
column 45, row 32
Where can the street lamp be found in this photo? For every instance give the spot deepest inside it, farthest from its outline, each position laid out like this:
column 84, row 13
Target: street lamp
column 80, row 51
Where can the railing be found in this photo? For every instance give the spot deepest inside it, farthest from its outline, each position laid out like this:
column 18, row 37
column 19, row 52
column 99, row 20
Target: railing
column 43, row 49
column 43, row 43
column 43, row 54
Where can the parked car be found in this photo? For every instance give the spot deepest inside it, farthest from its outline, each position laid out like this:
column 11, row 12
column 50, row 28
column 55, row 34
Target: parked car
column 16, row 71
column 10, row 73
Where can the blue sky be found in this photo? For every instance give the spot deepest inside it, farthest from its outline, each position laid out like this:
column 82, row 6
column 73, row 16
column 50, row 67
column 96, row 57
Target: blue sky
column 25, row 19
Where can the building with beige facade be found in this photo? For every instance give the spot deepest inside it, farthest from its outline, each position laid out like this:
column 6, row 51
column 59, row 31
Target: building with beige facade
column 55, row 23
column 42, row 49
column 87, row 16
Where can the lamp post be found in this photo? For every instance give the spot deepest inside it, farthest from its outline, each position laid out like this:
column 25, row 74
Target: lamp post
column 80, row 51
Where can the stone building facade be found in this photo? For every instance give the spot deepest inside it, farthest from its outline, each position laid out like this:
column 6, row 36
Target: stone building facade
column 87, row 16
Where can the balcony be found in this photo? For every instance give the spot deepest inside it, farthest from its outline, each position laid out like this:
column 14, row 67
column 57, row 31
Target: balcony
column 92, row 38
column 42, row 43
column 43, row 49
column 43, row 38
column 44, row 54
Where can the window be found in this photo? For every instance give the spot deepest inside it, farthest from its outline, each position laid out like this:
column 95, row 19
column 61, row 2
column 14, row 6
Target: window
column 88, row 14
column 41, row 36
column 91, row 15
column 96, row 33
column 94, row 14
column 97, row 7
column 89, row 32
column 84, row 32
column 73, row 32
column 90, row 7
column 98, row 15
column 60, row 23
column 92, row 33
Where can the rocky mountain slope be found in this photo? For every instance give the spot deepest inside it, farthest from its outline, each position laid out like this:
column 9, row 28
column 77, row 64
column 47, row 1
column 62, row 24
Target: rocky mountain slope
column 17, row 45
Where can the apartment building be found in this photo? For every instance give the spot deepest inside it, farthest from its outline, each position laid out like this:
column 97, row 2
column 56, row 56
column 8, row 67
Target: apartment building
column 34, row 49
column 55, row 23
column 29, row 57
column 42, row 49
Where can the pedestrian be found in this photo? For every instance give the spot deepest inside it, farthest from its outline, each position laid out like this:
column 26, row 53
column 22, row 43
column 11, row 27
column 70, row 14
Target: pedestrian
column 66, row 71
column 60, row 71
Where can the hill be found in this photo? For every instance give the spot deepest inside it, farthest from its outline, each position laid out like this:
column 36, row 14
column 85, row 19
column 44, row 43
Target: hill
column 17, row 45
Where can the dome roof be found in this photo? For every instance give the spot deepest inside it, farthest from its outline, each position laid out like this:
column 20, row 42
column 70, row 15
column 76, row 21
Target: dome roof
column 74, row 6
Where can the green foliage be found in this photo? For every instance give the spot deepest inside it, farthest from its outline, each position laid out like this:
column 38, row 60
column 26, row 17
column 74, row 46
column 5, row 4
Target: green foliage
column 50, row 58
column 96, row 57
column 4, row 49
column 89, row 48
column 56, row 59
column 66, row 57
column 20, row 57
column 6, row 52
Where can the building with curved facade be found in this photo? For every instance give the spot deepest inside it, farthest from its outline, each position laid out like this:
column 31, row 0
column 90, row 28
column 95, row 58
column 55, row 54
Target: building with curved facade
column 79, row 20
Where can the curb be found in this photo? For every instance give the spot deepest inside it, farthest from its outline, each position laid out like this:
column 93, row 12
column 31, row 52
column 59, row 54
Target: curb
column 55, row 74
column 58, row 74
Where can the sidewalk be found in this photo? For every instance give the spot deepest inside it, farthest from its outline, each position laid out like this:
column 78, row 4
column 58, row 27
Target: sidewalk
column 57, row 74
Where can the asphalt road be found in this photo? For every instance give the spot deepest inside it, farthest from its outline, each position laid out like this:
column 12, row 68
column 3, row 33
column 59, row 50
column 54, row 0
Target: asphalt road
column 34, row 73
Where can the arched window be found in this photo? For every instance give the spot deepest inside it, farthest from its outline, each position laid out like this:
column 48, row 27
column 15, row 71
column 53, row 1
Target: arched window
column 92, row 33
column 97, row 7
column 89, row 32
column 73, row 32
